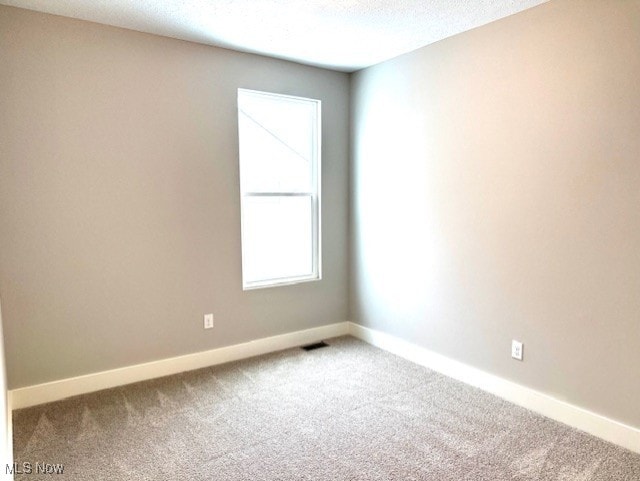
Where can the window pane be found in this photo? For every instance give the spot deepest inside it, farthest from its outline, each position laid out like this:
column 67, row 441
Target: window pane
column 276, row 143
column 277, row 237
column 267, row 164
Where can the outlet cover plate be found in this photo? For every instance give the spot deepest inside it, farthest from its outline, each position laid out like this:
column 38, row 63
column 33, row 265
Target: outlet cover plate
column 516, row 350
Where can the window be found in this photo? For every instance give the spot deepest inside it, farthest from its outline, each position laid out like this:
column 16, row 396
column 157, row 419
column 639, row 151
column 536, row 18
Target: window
column 280, row 187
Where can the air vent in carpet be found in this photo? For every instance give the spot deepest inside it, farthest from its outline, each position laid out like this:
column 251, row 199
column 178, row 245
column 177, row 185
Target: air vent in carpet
column 317, row 345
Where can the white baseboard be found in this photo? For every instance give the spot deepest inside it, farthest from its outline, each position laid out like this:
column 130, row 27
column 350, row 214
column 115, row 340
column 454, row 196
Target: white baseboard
column 56, row 390
column 600, row 426
column 610, row 430
column 9, row 445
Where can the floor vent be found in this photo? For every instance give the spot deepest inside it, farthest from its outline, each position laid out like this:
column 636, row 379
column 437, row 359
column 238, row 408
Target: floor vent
column 317, row 345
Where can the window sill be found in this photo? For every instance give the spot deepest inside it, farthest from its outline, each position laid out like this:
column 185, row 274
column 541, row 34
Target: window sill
column 290, row 281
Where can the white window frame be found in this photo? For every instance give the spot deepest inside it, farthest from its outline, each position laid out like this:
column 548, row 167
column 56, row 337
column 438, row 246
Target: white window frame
column 314, row 194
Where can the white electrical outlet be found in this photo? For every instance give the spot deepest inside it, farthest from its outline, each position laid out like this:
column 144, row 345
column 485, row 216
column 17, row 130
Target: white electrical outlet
column 208, row 321
column 516, row 350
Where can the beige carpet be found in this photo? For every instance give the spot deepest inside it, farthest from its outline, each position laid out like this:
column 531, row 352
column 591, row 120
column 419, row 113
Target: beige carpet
column 344, row 412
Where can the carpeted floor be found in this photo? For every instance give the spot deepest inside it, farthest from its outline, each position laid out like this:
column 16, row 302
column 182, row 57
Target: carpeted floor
column 344, row 412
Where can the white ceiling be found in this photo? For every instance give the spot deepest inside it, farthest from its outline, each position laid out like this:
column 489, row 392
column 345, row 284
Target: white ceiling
column 339, row 34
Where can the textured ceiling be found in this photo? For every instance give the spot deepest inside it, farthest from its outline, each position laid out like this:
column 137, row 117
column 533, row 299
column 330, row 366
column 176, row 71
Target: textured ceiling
column 340, row 34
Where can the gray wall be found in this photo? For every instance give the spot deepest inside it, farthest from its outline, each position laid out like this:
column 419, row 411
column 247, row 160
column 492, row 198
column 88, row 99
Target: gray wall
column 496, row 195
column 119, row 197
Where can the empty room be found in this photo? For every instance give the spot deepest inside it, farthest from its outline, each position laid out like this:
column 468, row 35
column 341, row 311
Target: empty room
column 320, row 240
